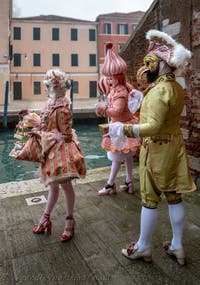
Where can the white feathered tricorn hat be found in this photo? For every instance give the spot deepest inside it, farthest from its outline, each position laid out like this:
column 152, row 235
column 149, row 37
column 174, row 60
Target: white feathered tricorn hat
column 166, row 48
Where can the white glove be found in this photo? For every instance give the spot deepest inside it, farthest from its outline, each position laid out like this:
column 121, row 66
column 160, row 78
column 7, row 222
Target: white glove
column 135, row 98
column 117, row 135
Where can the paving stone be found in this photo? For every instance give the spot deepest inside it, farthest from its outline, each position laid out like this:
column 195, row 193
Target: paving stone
column 3, row 248
column 21, row 241
column 69, row 265
column 6, row 273
column 33, row 269
column 104, row 225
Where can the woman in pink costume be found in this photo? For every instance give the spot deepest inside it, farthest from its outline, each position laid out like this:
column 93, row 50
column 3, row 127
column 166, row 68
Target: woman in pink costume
column 117, row 111
column 62, row 159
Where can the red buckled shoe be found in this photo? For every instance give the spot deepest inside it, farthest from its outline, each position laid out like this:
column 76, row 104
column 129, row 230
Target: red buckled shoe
column 177, row 253
column 132, row 253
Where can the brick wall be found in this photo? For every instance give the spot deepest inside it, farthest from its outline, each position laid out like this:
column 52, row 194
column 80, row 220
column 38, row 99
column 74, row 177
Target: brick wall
column 193, row 109
column 136, row 46
column 181, row 19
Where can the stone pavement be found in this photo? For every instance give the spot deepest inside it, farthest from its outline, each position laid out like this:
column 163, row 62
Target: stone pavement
column 104, row 225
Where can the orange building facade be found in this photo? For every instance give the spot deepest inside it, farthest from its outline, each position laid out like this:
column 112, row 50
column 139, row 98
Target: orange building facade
column 30, row 46
column 115, row 28
column 5, row 16
column 46, row 42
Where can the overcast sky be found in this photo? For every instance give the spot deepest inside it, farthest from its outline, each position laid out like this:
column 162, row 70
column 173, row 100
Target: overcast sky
column 80, row 9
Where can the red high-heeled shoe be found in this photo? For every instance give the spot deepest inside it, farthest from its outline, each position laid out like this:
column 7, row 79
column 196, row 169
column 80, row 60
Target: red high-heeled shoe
column 43, row 227
column 69, row 228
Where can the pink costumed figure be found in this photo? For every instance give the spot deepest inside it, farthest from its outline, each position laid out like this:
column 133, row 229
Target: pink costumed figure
column 62, row 159
column 117, row 110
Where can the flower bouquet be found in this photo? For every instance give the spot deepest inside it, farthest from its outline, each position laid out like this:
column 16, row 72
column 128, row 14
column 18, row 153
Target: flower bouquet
column 27, row 121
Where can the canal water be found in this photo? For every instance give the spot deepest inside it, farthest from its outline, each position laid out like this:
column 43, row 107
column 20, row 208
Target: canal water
column 18, row 170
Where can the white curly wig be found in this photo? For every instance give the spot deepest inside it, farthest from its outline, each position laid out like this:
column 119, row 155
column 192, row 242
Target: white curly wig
column 56, row 78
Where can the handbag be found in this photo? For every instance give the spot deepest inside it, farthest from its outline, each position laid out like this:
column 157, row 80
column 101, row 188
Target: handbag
column 30, row 150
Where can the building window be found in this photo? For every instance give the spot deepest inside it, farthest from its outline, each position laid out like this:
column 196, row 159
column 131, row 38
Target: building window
column 107, row 28
column 134, row 27
column 122, row 29
column 76, row 87
column 74, row 59
column 36, row 34
column 55, row 59
column 17, row 90
column 92, row 59
column 36, row 59
column 74, row 35
column 92, row 35
column 120, row 46
column 37, row 88
column 93, row 88
column 55, row 34
column 17, row 59
column 17, row 33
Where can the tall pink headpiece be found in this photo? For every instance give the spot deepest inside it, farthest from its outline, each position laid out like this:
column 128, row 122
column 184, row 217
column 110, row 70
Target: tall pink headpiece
column 104, row 85
column 113, row 63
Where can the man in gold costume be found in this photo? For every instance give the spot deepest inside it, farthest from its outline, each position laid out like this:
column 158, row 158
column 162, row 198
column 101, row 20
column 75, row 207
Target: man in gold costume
column 163, row 165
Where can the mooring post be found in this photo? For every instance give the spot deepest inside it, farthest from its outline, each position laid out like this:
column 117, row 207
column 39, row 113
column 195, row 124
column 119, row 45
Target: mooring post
column 72, row 95
column 5, row 114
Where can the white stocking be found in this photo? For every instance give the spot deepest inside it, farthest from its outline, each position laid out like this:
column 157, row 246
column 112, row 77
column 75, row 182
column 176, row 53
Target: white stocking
column 177, row 214
column 51, row 201
column 147, row 226
column 70, row 199
column 129, row 168
column 114, row 170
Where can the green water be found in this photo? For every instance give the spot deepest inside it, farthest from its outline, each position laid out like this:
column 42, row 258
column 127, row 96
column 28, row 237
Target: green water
column 18, row 170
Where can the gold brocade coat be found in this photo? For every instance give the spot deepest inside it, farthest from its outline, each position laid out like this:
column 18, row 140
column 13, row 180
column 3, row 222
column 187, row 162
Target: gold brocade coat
column 163, row 156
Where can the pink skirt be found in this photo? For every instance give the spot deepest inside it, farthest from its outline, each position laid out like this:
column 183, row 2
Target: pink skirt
column 63, row 164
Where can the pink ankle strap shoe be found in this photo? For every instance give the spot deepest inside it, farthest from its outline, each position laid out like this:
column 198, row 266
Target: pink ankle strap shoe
column 127, row 187
column 108, row 190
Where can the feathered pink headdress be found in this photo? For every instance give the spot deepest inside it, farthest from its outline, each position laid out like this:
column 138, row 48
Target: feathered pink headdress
column 166, row 48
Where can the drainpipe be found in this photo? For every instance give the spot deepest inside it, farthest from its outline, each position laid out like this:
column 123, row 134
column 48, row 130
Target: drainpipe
column 5, row 114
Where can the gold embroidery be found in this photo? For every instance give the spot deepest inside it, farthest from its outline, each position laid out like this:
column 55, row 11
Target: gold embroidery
column 128, row 130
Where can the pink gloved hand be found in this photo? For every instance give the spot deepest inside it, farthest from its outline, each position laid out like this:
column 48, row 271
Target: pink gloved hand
column 100, row 110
